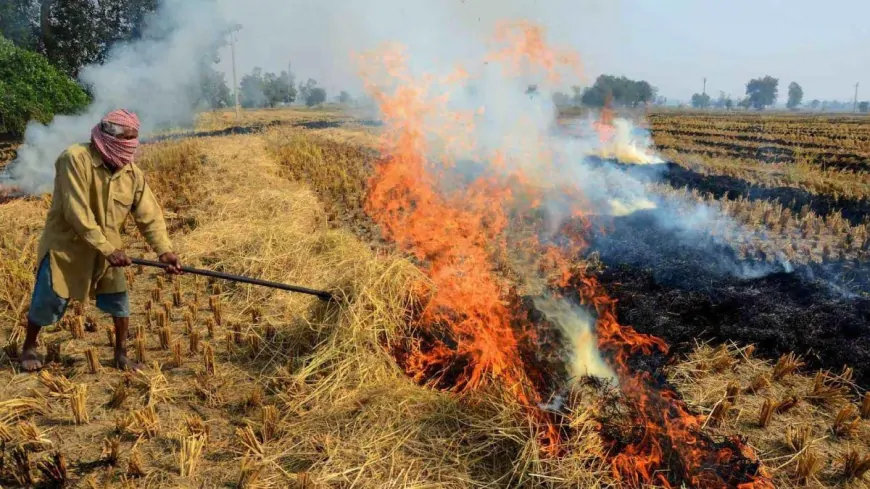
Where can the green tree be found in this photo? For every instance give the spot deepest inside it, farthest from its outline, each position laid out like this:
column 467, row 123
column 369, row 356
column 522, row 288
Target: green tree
column 795, row 95
column 724, row 102
column 17, row 22
column 815, row 104
column 73, row 33
column 621, row 90
column 700, row 101
column 344, row 98
column 251, row 90
column 864, row 107
column 311, row 94
column 762, row 92
column 32, row 89
column 213, row 88
column 279, row 88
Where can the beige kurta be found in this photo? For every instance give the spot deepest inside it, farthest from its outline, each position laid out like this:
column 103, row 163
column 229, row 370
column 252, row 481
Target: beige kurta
column 88, row 209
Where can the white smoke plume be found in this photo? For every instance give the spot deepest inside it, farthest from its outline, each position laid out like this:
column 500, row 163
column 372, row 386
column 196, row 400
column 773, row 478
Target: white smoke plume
column 152, row 77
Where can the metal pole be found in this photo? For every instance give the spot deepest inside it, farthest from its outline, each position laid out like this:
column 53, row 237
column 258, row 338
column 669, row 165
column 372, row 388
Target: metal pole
column 323, row 295
column 855, row 103
column 235, row 80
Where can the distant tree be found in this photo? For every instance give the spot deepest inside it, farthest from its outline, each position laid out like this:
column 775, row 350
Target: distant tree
column 344, row 98
column 312, row 94
column 700, row 101
column 213, row 89
column 316, row 96
column 279, row 89
column 745, row 103
column 864, row 107
column 661, row 101
column 32, row 89
column 762, row 92
column 815, row 104
column 623, row 92
column 251, row 89
column 795, row 95
column 577, row 95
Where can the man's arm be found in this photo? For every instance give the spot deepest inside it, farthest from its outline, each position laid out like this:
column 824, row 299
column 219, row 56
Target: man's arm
column 73, row 186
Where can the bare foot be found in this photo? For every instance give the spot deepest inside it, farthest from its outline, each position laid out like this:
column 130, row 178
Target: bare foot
column 122, row 362
column 30, row 361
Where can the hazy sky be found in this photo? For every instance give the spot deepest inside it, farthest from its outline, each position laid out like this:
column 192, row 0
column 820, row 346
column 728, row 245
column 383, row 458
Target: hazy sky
column 671, row 43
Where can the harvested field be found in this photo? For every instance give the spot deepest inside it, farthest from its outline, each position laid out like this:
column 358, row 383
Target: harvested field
column 252, row 388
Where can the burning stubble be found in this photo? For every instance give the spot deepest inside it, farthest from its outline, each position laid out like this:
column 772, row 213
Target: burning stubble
column 459, row 221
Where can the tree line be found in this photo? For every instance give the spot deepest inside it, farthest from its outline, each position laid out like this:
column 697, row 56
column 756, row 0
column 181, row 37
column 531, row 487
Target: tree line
column 763, row 92
column 609, row 90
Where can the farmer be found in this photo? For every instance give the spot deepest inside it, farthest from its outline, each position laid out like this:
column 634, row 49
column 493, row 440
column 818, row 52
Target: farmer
column 80, row 255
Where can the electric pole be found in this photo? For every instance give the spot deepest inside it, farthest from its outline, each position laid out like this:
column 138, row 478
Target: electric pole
column 704, row 92
column 855, row 102
column 235, row 79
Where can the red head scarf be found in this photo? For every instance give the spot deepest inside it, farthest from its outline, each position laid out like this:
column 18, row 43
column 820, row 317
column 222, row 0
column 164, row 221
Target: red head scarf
column 116, row 152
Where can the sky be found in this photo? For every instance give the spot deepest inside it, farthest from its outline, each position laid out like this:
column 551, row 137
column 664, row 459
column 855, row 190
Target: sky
column 673, row 44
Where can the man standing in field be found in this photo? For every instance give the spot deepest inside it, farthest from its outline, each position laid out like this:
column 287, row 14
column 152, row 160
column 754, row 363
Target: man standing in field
column 80, row 255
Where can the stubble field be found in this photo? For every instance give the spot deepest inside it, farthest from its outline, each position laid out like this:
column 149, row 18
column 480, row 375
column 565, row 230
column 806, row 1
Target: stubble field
column 252, row 388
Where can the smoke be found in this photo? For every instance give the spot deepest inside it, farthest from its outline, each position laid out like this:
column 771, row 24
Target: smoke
column 579, row 330
column 155, row 77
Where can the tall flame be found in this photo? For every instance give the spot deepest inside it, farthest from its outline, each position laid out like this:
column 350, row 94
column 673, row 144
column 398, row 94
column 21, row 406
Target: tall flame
column 474, row 234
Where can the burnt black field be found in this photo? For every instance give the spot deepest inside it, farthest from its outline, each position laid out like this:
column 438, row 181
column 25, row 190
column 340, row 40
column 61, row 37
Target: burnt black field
column 688, row 289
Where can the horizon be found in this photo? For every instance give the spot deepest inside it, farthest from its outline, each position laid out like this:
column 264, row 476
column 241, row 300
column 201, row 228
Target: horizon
column 682, row 47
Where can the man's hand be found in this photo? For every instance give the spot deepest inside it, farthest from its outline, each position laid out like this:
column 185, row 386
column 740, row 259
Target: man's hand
column 119, row 259
column 173, row 261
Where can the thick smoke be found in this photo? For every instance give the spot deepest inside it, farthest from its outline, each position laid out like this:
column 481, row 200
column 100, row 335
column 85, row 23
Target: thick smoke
column 154, row 77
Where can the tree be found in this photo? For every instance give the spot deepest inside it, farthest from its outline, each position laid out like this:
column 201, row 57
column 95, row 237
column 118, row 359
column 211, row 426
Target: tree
column 762, row 92
column 700, row 101
column 30, row 88
column 724, row 102
column 795, row 95
column 864, row 107
column 344, row 98
column 311, row 93
column 251, row 90
column 73, row 33
column 815, row 104
column 279, row 88
column 213, row 88
column 624, row 92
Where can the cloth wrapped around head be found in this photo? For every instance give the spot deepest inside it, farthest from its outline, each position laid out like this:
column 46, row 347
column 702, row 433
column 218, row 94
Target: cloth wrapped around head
column 109, row 138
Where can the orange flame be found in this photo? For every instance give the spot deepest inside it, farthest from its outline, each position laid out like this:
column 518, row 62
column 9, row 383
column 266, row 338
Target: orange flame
column 471, row 330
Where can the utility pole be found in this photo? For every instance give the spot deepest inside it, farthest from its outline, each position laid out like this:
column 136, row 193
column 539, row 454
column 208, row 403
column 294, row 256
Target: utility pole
column 704, row 92
column 855, row 102
column 235, row 79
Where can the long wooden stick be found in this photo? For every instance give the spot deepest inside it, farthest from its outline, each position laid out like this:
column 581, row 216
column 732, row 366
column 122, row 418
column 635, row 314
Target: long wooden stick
column 323, row 295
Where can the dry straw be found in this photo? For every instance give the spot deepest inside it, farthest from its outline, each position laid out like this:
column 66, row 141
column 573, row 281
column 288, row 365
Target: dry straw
column 78, row 328
column 54, row 470
column 78, row 404
column 194, row 342
column 190, row 454
column 855, row 465
column 809, row 464
column 786, row 365
column 93, row 364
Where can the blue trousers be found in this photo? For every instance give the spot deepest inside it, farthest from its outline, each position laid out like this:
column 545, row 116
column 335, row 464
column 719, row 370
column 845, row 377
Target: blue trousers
column 47, row 308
